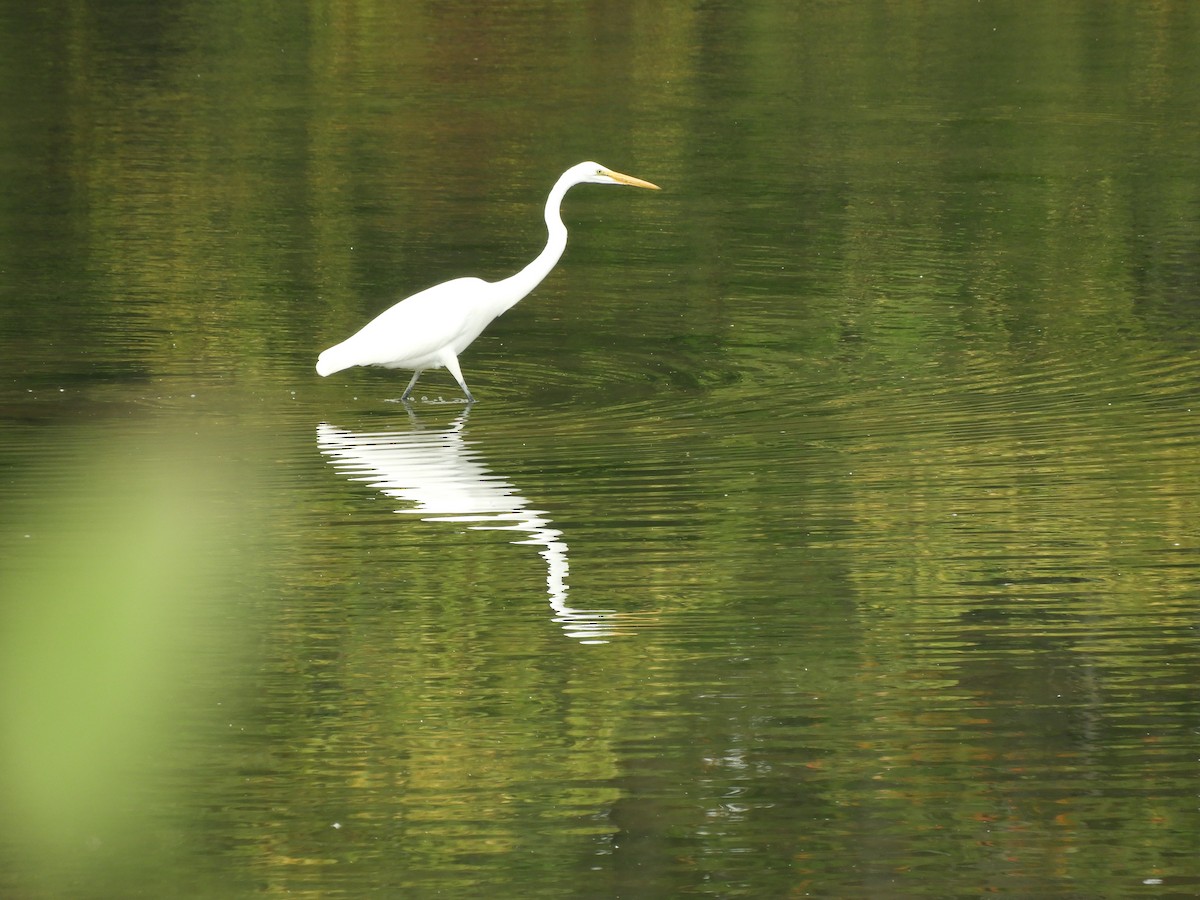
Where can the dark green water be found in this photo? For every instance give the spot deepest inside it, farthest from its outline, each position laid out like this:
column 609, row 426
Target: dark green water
column 826, row 526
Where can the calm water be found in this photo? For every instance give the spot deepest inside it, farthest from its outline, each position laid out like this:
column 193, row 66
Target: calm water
column 826, row 526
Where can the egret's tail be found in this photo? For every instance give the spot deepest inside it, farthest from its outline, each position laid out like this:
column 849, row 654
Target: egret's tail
column 333, row 360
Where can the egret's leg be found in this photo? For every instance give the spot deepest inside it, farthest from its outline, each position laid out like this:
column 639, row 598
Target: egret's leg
column 452, row 365
column 408, row 390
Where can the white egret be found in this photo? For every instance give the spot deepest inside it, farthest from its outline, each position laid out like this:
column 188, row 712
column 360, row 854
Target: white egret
column 432, row 327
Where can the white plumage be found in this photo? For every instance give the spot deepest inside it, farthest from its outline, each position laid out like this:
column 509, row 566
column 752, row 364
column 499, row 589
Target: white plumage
column 432, row 327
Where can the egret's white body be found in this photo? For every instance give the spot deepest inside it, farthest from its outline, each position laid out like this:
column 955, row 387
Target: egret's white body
column 432, row 327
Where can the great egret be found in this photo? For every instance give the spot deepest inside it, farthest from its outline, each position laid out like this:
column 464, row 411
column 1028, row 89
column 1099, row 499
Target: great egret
column 429, row 329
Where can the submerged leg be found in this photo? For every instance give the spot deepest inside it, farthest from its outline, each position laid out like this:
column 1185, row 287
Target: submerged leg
column 408, row 390
column 452, row 365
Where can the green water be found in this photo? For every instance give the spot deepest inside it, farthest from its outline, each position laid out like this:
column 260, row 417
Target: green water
column 826, row 525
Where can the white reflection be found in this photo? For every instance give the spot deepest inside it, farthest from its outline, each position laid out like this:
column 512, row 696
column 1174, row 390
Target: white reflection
column 444, row 479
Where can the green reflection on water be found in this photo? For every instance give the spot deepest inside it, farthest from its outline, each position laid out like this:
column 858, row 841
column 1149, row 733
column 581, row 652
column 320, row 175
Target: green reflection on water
column 880, row 426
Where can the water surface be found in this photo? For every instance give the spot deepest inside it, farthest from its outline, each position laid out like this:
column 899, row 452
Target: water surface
column 826, row 525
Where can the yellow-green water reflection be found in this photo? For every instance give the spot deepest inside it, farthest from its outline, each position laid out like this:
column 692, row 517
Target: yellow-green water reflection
column 874, row 438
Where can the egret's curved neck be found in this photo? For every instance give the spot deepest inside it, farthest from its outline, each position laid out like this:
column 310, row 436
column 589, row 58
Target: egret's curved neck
column 517, row 286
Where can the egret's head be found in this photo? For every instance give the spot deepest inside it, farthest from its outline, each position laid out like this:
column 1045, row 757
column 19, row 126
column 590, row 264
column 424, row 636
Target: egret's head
column 594, row 173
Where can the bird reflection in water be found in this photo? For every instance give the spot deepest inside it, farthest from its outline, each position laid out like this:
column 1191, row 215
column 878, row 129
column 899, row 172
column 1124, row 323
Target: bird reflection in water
column 445, row 480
